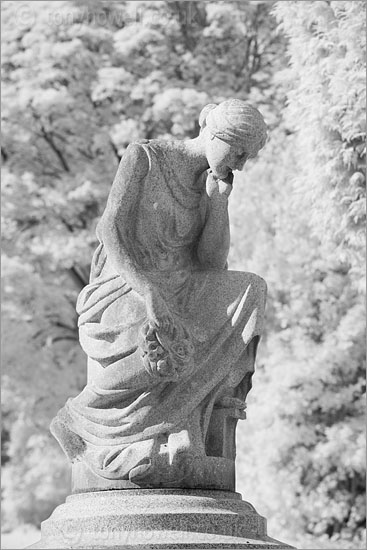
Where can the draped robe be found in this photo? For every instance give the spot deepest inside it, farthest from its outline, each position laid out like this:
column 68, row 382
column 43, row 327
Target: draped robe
column 128, row 413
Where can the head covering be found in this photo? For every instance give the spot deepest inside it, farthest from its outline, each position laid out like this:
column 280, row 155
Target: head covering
column 237, row 123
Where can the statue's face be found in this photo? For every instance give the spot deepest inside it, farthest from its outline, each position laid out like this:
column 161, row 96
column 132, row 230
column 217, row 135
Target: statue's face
column 224, row 158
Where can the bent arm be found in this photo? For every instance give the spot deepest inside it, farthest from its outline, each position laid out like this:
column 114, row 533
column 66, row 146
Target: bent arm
column 118, row 217
column 214, row 242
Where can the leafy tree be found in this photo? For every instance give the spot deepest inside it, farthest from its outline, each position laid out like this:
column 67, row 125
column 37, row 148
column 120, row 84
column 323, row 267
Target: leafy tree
column 83, row 79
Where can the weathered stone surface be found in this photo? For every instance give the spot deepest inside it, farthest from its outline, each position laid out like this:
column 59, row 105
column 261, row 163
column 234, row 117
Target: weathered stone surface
column 164, row 519
column 171, row 338
column 170, row 333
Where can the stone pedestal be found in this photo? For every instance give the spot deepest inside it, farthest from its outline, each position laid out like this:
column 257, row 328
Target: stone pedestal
column 142, row 519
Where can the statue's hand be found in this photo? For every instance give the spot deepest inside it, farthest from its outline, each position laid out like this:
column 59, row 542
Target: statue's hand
column 219, row 188
column 159, row 314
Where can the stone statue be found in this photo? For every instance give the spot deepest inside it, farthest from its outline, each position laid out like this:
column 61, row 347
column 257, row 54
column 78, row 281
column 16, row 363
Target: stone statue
column 170, row 332
column 171, row 338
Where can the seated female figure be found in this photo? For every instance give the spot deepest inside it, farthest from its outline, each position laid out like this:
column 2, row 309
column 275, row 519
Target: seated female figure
column 170, row 333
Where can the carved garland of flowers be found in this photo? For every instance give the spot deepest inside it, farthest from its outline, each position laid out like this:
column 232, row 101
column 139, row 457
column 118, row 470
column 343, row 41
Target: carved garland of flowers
column 162, row 357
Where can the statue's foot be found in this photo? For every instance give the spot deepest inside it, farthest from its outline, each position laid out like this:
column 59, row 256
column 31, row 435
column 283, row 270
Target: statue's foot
column 71, row 443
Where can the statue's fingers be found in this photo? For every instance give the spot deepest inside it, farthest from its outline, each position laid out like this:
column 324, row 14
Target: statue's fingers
column 155, row 322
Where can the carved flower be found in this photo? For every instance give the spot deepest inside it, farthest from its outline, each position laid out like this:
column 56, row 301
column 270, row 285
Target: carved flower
column 183, row 350
column 161, row 356
column 147, row 338
column 154, row 351
column 150, row 334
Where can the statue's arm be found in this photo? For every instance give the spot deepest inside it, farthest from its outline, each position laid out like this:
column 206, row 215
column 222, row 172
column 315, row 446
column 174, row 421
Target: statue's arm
column 213, row 247
column 114, row 231
column 118, row 218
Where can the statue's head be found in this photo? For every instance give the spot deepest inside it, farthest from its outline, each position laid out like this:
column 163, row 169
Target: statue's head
column 235, row 131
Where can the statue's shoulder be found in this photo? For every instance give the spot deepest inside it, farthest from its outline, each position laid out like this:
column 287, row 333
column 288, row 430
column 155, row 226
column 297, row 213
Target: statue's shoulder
column 141, row 151
column 143, row 141
column 136, row 156
column 137, row 147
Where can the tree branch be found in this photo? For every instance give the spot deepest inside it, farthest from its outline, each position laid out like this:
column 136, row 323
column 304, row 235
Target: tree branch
column 49, row 140
column 115, row 151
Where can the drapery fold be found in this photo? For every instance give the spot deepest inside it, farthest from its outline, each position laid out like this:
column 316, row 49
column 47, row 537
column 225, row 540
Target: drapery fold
column 128, row 413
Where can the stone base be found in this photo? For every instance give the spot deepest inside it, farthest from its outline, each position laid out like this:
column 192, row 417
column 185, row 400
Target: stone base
column 166, row 519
